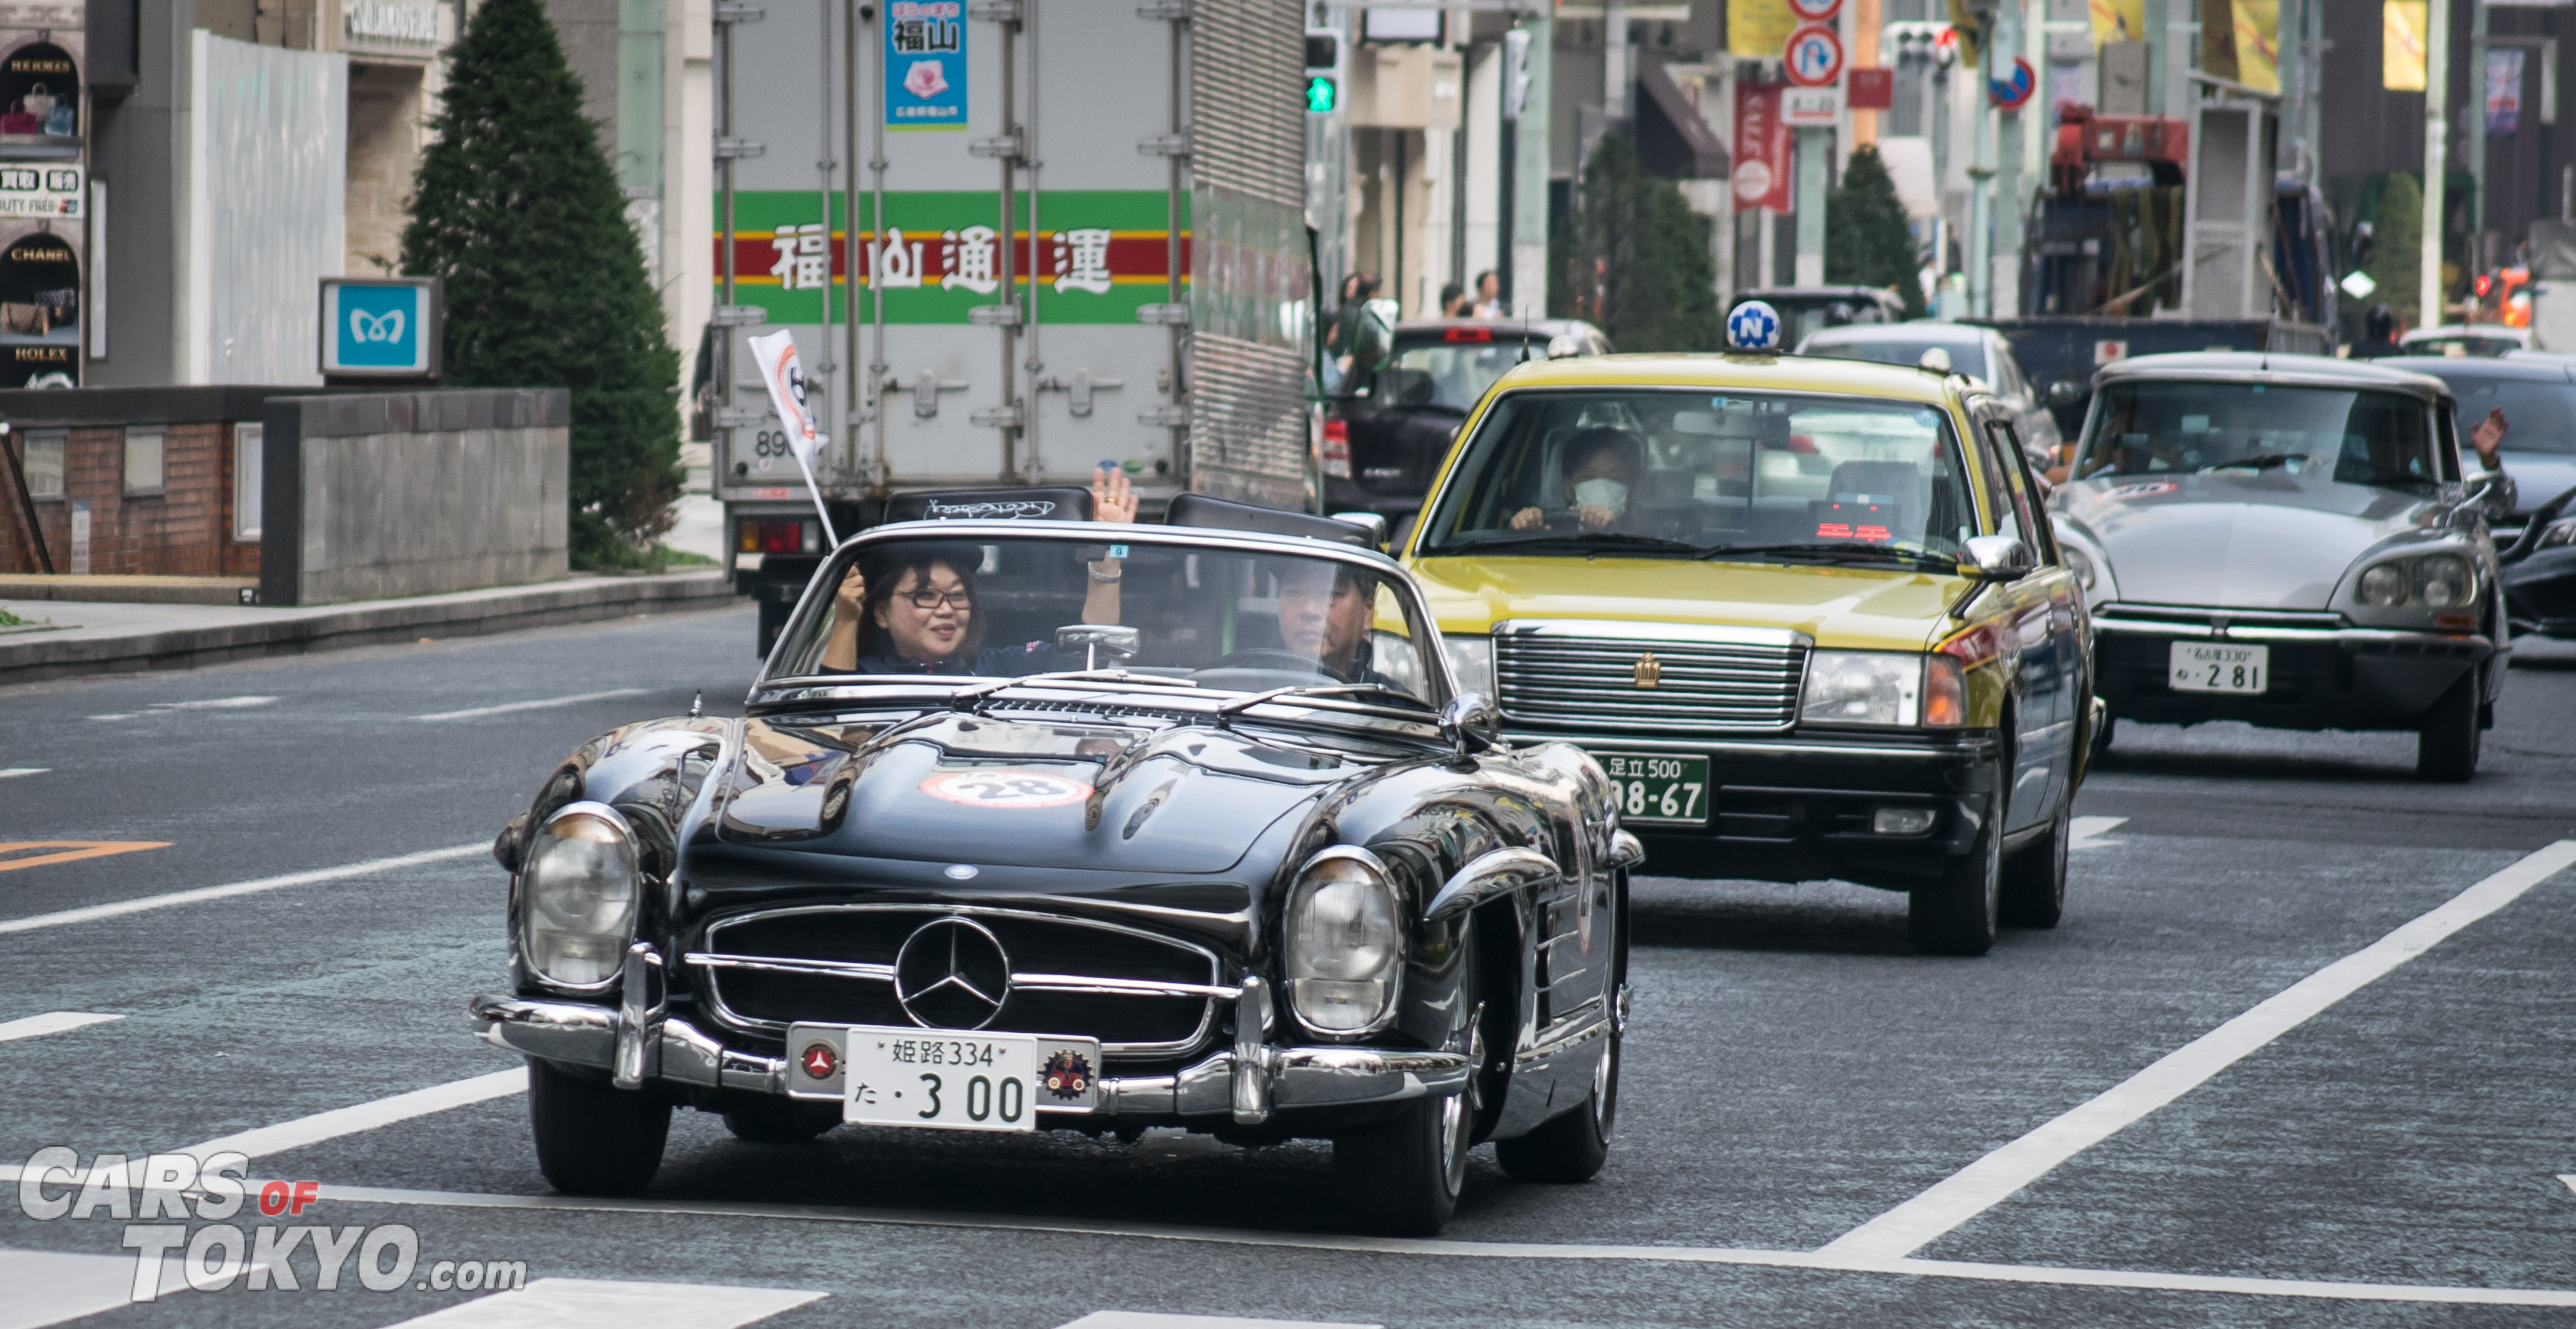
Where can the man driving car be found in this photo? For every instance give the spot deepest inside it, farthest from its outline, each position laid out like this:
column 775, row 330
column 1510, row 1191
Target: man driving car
column 1325, row 612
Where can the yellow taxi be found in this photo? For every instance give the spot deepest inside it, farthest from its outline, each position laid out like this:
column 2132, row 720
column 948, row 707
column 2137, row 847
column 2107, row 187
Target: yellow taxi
column 1808, row 614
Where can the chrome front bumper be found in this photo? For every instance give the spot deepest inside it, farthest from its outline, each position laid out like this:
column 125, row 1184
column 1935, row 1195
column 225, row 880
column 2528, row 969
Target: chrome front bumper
column 1247, row 1082
column 2469, row 646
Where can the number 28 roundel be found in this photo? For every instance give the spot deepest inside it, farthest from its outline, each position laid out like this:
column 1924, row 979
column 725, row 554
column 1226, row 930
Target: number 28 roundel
column 1006, row 789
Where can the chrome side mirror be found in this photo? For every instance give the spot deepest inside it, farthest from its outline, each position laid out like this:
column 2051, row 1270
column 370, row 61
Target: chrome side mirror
column 1997, row 557
column 1372, row 522
column 1094, row 640
column 1471, row 722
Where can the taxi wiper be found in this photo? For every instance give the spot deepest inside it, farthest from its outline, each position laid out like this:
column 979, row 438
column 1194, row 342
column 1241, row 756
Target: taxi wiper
column 1599, row 539
column 1841, row 552
column 2260, row 462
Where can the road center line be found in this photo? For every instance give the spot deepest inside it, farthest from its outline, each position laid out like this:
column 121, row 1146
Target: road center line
column 539, row 705
column 1991, row 1180
column 11, row 772
column 52, row 1022
column 2130, row 1279
column 69, row 851
column 351, row 1120
column 91, row 913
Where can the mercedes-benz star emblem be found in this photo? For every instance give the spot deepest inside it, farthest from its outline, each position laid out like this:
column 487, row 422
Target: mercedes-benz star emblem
column 952, row 974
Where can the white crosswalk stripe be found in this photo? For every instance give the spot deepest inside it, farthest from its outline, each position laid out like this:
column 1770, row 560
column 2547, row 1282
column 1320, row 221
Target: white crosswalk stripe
column 51, row 1022
column 51, row 1287
column 1148, row 1320
column 582, row 1303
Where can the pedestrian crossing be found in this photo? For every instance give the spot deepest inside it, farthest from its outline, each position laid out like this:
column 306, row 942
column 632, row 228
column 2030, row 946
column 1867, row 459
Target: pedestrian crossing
column 44, row 1288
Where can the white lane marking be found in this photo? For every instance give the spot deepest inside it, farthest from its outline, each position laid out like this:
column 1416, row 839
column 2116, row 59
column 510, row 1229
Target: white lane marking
column 574, row 700
column 2088, row 832
column 2569, row 1178
column 52, row 1022
column 2140, row 1279
column 11, row 772
column 332, row 1125
column 583, row 1303
column 91, row 913
column 1150, row 1320
column 210, row 704
column 49, row 1287
column 1991, row 1180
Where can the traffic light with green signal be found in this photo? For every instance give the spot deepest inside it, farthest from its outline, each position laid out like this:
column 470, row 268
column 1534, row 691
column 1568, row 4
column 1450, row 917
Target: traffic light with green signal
column 1323, row 95
column 1323, row 71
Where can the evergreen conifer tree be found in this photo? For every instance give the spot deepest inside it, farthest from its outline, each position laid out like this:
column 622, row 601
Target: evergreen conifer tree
column 2397, row 248
column 1867, row 242
column 1637, row 262
column 517, row 211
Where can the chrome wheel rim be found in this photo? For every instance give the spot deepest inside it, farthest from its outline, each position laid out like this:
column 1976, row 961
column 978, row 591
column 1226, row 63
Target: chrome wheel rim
column 1453, row 1142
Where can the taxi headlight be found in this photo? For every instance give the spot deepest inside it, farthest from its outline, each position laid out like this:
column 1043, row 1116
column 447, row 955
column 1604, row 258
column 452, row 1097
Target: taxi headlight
column 2384, row 586
column 578, row 892
column 1345, row 947
column 1471, row 661
column 1861, row 687
column 2443, row 581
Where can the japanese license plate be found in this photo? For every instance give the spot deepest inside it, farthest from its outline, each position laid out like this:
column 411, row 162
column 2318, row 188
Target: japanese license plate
column 958, row 1081
column 2203, row 667
column 1653, row 787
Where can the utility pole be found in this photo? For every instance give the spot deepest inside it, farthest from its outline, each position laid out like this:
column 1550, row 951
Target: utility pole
column 2437, row 88
column 1526, row 264
column 2004, row 292
column 2477, row 133
column 2152, row 17
column 1981, row 190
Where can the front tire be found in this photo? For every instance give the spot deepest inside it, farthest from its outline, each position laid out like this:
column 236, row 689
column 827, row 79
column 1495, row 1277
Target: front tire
column 1402, row 1179
column 1570, row 1146
column 2446, row 748
column 594, row 1138
column 1957, row 914
column 2034, row 884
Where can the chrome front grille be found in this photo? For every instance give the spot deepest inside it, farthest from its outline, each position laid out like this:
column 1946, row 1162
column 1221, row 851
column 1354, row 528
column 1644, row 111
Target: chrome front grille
column 1140, row 994
column 1648, row 677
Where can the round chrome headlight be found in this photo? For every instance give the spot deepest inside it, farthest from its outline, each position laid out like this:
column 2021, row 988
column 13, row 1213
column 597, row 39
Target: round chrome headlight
column 2384, row 586
column 1345, row 945
column 578, row 893
column 2444, row 581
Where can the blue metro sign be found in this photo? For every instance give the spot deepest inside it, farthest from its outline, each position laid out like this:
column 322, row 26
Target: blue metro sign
column 380, row 326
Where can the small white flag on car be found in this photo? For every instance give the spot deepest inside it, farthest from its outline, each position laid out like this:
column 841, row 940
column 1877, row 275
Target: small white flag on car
column 775, row 354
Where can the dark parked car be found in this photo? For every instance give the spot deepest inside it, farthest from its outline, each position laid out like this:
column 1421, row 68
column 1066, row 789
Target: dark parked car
column 1387, row 433
column 2537, row 544
column 1043, row 825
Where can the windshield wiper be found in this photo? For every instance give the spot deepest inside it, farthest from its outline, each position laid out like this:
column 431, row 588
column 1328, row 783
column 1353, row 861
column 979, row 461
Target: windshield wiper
column 2261, row 462
column 1604, row 539
column 971, row 697
column 1841, row 552
column 1241, row 704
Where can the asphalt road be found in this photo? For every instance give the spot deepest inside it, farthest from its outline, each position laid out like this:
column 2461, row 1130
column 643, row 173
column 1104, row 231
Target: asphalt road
column 2364, row 1141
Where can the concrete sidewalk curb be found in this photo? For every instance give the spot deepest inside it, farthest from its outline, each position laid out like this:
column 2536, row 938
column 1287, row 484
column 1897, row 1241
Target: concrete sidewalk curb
column 338, row 627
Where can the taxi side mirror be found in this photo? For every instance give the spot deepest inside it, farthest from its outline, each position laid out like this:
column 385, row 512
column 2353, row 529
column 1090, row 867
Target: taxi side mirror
column 1996, row 558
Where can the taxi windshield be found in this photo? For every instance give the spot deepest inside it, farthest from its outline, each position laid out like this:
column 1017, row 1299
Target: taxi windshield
column 1450, row 373
column 1676, row 473
column 1217, row 617
column 2343, row 435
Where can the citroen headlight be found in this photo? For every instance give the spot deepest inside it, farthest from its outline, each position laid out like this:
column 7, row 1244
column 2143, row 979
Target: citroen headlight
column 2444, row 581
column 1345, row 945
column 578, row 891
column 1471, row 661
column 1861, row 687
column 2081, row 564
column 2428, row 581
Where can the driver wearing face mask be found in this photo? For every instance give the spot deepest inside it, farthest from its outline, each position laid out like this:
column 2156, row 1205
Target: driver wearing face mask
column 1602, row 467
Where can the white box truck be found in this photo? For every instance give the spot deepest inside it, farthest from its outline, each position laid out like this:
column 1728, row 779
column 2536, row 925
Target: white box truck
column 1144, row 298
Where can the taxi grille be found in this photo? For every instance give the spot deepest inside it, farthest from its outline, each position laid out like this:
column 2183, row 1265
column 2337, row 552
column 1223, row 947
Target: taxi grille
column 1139, row 994
column 1591, row 683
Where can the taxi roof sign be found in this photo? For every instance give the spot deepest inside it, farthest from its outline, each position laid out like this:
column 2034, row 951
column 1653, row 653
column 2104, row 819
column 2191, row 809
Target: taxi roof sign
column 1753, row 326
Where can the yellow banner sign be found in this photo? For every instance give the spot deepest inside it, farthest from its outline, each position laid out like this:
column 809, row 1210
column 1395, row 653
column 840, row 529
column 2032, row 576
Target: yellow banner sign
column 1757, row 29
column 2401, row 61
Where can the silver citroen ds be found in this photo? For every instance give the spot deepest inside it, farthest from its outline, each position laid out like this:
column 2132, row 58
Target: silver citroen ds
column 2288, row 541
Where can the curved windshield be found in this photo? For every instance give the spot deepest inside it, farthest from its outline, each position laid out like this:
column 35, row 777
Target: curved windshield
column 1968, row 357
column 1675, row 473
column 1447, row 373
column 2350, row 436
column 1215, row 617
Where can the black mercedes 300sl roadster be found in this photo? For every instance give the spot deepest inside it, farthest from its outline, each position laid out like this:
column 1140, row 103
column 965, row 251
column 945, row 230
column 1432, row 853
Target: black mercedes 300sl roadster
column 1051, row 825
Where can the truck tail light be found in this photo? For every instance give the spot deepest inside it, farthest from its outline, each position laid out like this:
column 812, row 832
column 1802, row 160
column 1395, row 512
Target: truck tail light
column 1945, row 674
column 1337, row 449
column 787, row 535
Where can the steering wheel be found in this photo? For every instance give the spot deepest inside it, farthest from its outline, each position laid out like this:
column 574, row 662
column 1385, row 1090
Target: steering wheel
column 1270, row 657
